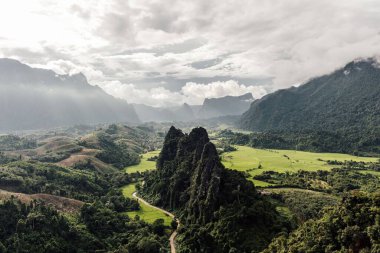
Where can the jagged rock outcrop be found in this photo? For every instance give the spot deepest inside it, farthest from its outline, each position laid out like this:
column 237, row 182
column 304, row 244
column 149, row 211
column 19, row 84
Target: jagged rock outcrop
column 219, row 208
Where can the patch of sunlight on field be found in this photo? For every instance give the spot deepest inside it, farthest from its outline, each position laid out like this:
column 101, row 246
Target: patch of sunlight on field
column 249, row 159
column 144, row 165
column 260, row 183
column 146, row 213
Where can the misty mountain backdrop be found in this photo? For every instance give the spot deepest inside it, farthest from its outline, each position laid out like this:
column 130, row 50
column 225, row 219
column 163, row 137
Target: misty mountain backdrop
column 32, row 98
column 229, row 105
column 211, row 108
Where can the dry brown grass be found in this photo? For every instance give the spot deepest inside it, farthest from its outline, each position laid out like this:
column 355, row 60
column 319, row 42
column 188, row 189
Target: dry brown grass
column 61, row 204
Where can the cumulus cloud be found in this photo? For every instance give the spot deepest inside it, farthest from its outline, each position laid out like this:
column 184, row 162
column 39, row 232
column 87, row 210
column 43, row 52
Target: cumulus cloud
column 64, row 67
column 192, row 93
column 285, row 42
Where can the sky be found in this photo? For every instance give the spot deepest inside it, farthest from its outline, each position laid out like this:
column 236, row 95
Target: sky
column 165, row 53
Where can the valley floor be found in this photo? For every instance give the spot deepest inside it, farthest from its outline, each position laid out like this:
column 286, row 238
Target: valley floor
column 256, row 161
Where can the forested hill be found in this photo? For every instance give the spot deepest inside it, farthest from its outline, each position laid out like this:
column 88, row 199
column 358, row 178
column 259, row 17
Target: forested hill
column 32, row 98
column 349, row 98
column 220, row 210
column 353, row 226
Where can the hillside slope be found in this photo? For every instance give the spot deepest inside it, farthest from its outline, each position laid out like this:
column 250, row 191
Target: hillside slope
column 349, row 98
column 32, row 98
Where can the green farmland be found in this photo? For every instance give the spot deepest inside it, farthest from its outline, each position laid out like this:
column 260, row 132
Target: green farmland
column 146, row 213
column 256, row 161
column 144, row 165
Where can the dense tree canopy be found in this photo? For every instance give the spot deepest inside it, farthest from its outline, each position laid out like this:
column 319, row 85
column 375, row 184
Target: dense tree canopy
column 353, row 226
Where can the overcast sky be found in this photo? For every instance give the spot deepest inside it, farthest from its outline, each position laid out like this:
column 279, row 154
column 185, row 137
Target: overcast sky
column 169, row 52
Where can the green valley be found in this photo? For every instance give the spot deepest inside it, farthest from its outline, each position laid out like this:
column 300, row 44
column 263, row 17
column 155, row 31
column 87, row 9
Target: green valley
column 146, row 213
column 147, row 162
column 256, row 161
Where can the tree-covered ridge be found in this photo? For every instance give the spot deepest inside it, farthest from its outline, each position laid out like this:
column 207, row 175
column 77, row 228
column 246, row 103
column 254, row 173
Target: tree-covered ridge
column 337, row 181
column 101, row 223
column 353, row 226
column 36, row 228
column 13, row 142
column 219, row 209
column 345, row 103
column 357, row 142
column 35, row 177
column 120, row 145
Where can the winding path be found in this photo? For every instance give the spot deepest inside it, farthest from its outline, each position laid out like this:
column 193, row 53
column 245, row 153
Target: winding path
column 174, row 234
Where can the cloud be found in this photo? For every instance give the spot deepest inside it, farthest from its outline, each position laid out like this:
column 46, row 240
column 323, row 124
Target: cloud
column 192, row 93
column 283, row 42
column 63, row 67
column 158, row 96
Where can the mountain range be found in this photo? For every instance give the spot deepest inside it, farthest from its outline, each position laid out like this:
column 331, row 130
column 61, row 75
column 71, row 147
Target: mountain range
column 148, row 113
column 32, row 98
column 228, row 105
column 211, row 108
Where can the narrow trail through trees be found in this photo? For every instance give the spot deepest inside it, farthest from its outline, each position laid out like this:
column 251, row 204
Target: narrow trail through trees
column 174, row 234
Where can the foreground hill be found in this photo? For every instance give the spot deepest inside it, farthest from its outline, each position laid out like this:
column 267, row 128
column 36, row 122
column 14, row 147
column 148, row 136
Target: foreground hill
column 353, row 226
column 220, row 210
column 59, row 203
column 32, row 98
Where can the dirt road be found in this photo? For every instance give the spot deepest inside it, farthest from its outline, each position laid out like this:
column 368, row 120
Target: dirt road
column 174, row 234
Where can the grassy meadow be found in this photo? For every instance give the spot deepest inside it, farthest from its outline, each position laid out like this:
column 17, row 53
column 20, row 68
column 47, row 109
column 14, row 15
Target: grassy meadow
column 146, row 213
column 144, row 165
column 256, row 161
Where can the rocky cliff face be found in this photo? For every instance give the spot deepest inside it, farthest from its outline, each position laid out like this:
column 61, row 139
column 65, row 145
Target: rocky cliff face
column 219, row 208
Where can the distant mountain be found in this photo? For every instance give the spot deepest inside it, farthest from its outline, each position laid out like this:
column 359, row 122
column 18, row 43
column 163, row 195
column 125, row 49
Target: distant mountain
column 148, row 113
column 32, row 98
column 211, row 108
column 345, row 100
column 229, row 105
column 184, row 113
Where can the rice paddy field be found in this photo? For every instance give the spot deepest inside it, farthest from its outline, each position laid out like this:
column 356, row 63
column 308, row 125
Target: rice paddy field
column 146, row 212
column 256, row 161
column 144, row 165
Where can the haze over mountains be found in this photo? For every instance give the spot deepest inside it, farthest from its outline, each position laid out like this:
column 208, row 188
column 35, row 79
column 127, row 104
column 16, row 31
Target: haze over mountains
column 33, row 98
column 229, row 105
column 211, row 108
